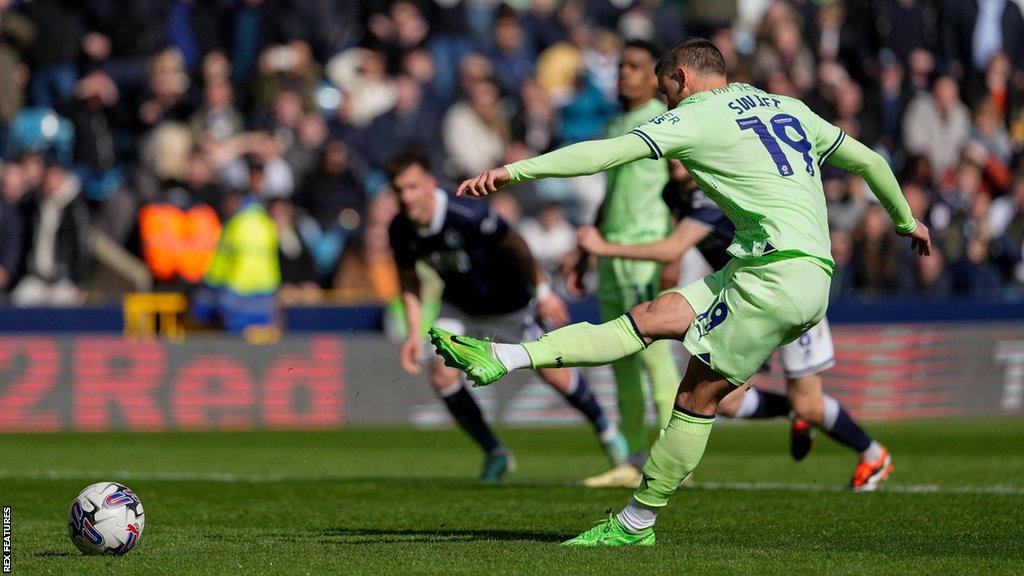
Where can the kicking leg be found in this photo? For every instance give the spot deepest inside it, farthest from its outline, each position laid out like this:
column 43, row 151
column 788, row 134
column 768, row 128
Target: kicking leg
column 582, row 344
column 573, row 387
column 450, row 387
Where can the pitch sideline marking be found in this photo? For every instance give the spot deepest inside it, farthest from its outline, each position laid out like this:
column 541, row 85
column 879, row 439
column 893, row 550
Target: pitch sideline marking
column 230, row 478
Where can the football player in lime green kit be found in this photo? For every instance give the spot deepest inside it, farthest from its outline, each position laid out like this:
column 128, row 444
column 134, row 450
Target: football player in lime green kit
column 758, row 156
column 634, row 213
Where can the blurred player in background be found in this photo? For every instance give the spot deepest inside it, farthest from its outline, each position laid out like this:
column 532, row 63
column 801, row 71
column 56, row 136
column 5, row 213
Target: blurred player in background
column 633, row 213
column 491, row 286
column 702, row 224
column 759, row 157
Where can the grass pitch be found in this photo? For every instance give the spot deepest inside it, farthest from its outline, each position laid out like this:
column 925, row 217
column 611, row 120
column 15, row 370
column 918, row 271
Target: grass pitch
column 388, row 501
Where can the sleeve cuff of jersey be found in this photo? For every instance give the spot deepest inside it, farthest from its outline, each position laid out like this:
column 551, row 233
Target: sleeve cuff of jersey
column 514, row 177
column 907, row 228
column 835, row 146
column 655, row 151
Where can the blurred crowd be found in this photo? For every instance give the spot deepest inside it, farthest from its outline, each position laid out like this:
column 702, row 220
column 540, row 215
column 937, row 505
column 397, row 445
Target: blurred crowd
column 239, row 145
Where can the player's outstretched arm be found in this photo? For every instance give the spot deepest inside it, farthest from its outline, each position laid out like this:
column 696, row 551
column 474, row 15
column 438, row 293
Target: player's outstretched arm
column 687, row 234
column 869, row 165
column 579, row 159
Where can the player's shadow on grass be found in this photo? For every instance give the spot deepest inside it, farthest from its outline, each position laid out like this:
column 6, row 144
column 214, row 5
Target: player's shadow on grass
column 399, row 536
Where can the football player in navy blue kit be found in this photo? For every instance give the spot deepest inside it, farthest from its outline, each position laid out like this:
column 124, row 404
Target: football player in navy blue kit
column 491, row 286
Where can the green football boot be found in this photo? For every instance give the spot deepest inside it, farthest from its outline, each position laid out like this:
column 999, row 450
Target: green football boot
column 472, row 356
column 611, row 533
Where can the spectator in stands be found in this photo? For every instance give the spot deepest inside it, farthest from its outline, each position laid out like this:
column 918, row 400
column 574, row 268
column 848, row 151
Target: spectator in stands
column 59, row 25
column 334, row 196
column 893, row 98
column 195, row 27
column 785, row 52
column 875, row 261
column 535, row 124
column 361, row 75
column 178, row 232
column 1006, row 222
column 954, row 199
column 904, row 26
column 475, row 131
column 977, row 29
column 217, row 118
column 938, row 124
column 168, row 85
column 303, row 155
column 122, row 35
column 511, row 53
column 550, row 237
column 970, row 247
column 989, row 130
column 412, row 123
column 229, row 159
column 846, row 201
column 11, row 225
column 507, row 207
column 59, row 257
column 241, row 283
column 97, row 132
column 299, row 282
column 16, row 36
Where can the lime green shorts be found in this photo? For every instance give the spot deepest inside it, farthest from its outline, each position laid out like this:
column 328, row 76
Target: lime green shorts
column 622, row 284
column 751, row 307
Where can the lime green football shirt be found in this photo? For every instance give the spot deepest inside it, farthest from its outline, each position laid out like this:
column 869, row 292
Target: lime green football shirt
column 633, row 211
column 759, row 157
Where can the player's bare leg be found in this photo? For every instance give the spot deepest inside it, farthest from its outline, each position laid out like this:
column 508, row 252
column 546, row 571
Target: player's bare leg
column 810, row 403
column 571, row 384
column 450, row 387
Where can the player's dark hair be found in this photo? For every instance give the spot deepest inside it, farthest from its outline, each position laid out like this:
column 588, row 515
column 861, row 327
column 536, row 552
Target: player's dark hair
column 406, row 159
column 647, row 46
column 697, row 54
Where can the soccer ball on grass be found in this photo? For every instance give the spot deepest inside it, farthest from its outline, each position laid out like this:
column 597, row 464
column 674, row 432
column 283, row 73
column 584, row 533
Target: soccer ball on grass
column 106, row 518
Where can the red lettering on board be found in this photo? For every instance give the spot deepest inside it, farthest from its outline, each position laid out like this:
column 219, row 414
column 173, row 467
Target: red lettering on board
column 213, row 391
column 23, row 390
column 306, row 390
column 113, row 372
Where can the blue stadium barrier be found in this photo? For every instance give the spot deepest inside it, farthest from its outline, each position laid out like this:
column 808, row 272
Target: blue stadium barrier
column 47, row 320
column 369, row 318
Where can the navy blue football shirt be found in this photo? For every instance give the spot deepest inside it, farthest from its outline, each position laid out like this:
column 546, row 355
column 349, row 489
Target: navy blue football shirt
column 463, row 244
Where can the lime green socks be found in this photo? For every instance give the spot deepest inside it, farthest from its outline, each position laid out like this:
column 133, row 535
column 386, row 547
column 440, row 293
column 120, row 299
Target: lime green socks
column 675, row 453
column 586, row 344
column 664, row 374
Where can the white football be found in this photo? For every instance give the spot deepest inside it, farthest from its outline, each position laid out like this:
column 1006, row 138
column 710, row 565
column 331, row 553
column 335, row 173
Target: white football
column 106, row 518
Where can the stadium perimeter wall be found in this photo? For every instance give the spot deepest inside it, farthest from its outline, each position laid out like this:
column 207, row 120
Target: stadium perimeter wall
column 51, row 382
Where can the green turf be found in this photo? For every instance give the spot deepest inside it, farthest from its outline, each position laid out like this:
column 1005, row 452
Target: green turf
column 366, row 501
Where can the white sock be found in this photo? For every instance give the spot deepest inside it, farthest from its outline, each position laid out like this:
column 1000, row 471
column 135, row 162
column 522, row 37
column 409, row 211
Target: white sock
column 446, row 392
column 873, row 453
column 511, row 356
column 637, row 517
column 574, row 382
column 749, row 404
column 609, row 433
column 829, row 413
